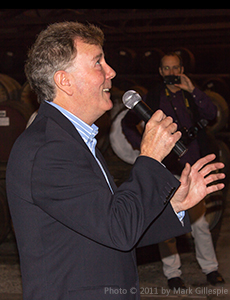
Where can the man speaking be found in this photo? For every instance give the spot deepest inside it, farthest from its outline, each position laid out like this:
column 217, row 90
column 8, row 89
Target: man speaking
column 76, row 231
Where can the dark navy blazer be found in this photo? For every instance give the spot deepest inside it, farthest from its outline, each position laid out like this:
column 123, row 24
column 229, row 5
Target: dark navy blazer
column 75, row 239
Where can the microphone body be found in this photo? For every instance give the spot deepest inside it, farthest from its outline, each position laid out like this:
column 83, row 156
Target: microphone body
column 132, row 100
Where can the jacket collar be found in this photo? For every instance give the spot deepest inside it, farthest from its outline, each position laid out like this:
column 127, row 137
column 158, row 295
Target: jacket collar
column 50, row 111
column 53, row 113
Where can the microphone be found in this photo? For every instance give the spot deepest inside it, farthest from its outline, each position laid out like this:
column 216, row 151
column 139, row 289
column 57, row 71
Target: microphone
column 132, row 100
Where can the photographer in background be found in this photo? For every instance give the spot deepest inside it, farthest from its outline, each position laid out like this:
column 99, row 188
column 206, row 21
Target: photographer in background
column 190, row 108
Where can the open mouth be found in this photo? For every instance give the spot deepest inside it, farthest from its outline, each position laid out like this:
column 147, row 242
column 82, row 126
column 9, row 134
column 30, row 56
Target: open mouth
column 106, row 90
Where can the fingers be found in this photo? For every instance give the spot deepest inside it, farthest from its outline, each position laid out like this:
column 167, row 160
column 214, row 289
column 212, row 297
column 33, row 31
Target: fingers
column 165, row 121
column 186, row 83
column 203, row 161
column 215, row 188
column 158, row 116
column 214, row 177
column 159, row 137
column 210, row 168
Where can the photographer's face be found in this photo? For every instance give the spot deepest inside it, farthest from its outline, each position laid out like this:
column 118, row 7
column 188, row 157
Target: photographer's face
column 170, row 66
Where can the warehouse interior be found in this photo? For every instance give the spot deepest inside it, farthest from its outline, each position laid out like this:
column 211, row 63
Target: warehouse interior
column 135, row 41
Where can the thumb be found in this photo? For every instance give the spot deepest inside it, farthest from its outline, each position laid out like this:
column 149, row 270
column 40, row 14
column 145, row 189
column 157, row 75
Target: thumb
column 185, row 174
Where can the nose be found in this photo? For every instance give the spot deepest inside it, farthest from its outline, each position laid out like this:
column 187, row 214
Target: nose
column 171, row 71
column 110, row 73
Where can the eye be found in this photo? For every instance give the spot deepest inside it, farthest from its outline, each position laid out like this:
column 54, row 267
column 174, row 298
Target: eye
column 176, row 67
column 98, row 63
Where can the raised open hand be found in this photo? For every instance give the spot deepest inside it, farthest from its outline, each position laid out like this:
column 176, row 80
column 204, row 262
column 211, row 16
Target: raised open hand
column 195, row 182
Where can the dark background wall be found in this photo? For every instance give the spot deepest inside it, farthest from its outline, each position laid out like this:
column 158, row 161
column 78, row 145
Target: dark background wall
column 136, row 39
column 131, row 35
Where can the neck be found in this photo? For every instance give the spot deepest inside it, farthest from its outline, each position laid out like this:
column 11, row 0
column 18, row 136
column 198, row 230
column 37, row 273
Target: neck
column 173, row 88
column 74, row 108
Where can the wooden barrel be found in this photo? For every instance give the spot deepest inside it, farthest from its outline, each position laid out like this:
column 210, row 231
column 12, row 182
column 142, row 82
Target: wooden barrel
column 29, row 97
column 188, row 59
column 218, row 85
column 122, row 60
column 150, row 60
column 140, row 90
column 222, row 112
column 120, row 145
column 4, row 213
column 214, row 208
column 124, row 84
column 9, row 88
column 31, row 119
column 13, row 119
column 215, row 201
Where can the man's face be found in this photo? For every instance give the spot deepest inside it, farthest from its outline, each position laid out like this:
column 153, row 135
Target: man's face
column 92, row 82
column 170, row 66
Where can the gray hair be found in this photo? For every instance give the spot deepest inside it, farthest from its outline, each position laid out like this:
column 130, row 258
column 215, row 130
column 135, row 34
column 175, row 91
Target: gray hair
column 54, row 50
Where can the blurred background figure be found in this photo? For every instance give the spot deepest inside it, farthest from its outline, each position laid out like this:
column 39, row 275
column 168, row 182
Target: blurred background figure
column 191, row 109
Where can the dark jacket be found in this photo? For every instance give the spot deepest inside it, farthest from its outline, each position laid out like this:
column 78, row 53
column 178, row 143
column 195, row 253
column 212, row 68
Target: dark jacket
column 75, row 239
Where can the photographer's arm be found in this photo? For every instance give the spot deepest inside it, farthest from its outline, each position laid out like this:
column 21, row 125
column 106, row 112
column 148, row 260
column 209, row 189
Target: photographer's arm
column 205, row 106
column 207, row 109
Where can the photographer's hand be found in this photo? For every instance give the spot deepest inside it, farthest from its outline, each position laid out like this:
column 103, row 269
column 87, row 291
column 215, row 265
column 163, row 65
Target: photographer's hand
column 194, row 181
column 186, row 83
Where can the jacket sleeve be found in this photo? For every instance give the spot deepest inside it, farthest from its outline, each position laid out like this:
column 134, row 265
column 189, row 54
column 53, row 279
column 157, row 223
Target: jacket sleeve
column 165, row 226
column 67, row 184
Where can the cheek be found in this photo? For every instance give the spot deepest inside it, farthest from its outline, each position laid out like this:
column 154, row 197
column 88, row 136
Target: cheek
column 89, row 85
column 165, row 73
column 94, row 83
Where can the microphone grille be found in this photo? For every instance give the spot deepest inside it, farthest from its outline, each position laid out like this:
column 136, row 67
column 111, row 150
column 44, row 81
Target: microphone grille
column 131, row 98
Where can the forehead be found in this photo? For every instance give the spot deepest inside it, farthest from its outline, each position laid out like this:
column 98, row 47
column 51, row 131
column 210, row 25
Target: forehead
column 89, row 51
column 170, row 60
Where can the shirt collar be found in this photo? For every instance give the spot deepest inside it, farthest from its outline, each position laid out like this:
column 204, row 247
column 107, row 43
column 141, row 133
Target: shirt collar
column 86, row 131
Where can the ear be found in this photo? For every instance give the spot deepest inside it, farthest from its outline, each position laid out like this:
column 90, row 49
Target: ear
column 63, row 82
column 182, row 70
column 160, row 71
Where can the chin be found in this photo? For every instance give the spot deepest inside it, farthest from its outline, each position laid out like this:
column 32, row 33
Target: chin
column 109, row 105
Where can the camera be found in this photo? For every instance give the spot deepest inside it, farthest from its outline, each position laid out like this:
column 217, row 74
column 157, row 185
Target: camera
column 172, row 79
column 188, row 135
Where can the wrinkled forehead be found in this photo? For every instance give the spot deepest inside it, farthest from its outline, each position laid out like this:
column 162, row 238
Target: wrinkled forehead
column 91, row 51
column 170, row 61
column 86, row 53
column 83, row 46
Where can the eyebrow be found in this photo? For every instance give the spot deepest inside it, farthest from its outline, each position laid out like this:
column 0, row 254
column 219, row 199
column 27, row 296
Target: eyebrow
column 170, row 67
column 99, row 56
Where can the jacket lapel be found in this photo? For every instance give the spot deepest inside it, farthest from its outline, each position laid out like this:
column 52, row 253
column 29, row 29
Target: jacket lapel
column 105, row 167
column 53, row 113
